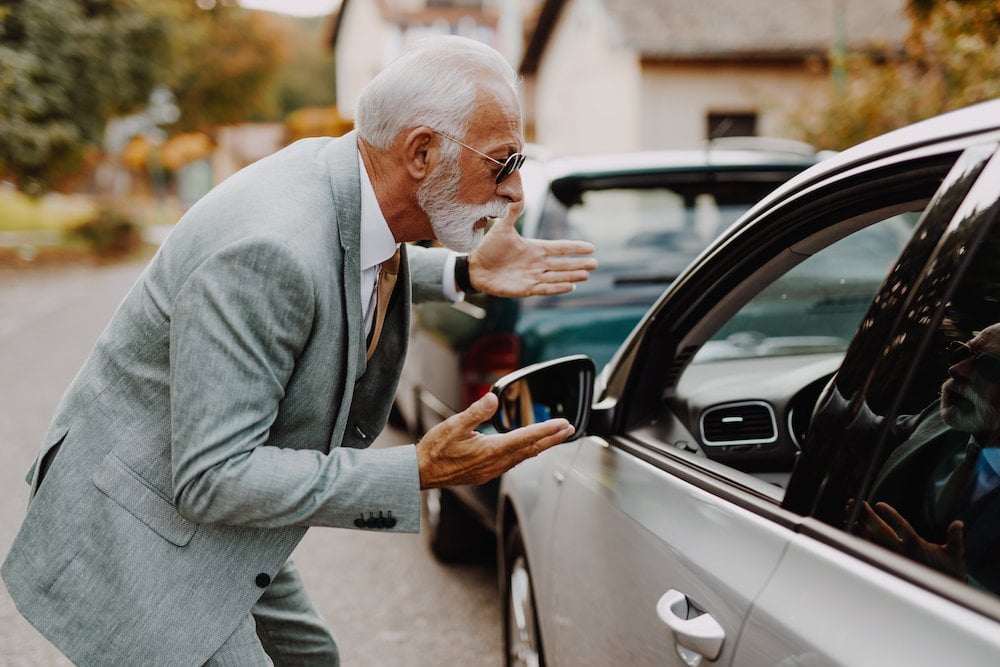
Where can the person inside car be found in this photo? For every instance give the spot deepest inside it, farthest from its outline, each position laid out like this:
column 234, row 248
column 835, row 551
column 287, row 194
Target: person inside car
column 936, row 499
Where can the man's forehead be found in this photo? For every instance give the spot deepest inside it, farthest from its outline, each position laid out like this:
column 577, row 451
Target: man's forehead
column 988, row 338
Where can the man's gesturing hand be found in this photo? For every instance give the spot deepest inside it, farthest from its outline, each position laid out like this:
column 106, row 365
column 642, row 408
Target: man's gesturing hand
column 453, row 452
column 509, row 265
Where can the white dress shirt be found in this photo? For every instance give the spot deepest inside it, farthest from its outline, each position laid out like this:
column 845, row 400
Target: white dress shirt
column 378, row 245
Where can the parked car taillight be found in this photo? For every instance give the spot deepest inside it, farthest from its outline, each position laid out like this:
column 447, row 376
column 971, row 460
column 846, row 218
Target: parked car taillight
column 488, row 359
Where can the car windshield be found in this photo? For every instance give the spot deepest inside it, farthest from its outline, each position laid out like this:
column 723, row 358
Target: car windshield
column 644, row 235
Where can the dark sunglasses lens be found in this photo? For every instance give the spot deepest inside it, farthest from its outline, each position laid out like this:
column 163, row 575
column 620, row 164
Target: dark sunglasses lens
column 512, row 164
column 958, row 352
column 988, row 368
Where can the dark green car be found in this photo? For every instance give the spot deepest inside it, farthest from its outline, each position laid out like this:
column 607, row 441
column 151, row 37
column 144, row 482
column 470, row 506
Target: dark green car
column 649, row 214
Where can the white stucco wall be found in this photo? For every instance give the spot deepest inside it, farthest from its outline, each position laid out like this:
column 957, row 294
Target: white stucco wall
column 677, row 98
column 361, row 52
column 588, row 86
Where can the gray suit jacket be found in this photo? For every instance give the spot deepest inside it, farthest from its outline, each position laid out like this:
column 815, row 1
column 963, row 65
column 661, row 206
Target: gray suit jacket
column 226, row 407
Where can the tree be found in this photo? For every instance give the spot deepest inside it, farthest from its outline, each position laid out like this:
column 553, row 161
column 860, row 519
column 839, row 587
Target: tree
column 68, row 66
column 65, row 68
column 950, row 59
column 221, row 63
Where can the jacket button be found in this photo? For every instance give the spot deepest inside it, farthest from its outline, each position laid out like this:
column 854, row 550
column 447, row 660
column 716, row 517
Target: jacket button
column 262, row 580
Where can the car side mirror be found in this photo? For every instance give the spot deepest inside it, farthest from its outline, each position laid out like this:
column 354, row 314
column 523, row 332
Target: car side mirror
column 547, row 390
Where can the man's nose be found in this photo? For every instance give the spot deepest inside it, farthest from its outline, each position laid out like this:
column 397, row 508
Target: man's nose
column 962, row 370
column 511, row 188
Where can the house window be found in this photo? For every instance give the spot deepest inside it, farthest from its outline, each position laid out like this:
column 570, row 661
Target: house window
column 743, row 124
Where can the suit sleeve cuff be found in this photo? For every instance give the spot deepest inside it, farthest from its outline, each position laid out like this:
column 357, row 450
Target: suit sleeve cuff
column 448, row 286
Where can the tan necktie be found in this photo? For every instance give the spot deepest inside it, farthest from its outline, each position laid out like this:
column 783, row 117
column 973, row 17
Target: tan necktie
column 387, row 273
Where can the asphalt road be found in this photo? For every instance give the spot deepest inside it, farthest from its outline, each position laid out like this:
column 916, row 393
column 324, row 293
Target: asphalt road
column 386, row 599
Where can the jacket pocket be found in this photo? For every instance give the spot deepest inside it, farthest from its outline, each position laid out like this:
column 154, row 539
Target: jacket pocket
column 124, row 486
column 44, row 460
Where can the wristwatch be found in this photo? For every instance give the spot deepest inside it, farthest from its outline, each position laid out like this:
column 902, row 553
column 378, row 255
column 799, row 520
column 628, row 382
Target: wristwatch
column 462, row 280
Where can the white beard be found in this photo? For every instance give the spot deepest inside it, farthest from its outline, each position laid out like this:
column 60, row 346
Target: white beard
column 452, row 221
column 978, row 416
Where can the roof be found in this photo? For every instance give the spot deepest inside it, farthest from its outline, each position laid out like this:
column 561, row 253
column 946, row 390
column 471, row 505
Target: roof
column 750, row 29
column 424, row 16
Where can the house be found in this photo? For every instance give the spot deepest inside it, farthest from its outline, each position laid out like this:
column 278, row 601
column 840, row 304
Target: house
column 368, row 34
column 622, row 75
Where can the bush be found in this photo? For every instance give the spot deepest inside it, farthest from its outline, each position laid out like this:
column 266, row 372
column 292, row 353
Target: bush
column 111, row 232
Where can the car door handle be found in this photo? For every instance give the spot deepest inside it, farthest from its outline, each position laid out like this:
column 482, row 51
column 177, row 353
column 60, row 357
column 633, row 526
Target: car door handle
column 697, row 636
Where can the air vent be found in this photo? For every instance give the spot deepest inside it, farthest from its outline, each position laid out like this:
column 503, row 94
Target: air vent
column 746, row 423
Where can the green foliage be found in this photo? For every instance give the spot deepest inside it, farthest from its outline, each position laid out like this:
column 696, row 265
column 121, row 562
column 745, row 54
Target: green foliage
column 68, row 66
column 221, row 63
column 306, row 79
column 65, row 68
column 110, row 233
column 951, row 59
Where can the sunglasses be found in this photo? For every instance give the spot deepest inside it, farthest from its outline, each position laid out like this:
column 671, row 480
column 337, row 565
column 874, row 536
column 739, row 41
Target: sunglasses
column 507, row 167
column 986, row 366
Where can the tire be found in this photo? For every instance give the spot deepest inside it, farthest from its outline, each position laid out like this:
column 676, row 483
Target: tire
column 453, row 534
column 522, row 635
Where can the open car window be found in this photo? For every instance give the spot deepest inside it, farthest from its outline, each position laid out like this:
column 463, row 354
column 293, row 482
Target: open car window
column 815, row 307
column 747, row 394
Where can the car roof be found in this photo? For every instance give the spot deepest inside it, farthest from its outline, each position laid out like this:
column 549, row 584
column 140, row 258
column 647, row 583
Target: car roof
column 969, row 121
column 744, row 153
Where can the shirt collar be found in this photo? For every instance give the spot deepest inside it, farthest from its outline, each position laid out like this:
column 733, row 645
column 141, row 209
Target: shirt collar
column 377, row 241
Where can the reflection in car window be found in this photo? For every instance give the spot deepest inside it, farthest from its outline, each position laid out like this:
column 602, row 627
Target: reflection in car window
column 817, row 306
column 935, row 495
column 645, row 236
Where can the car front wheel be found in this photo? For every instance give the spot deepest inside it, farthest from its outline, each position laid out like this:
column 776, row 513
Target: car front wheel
column 522, row 637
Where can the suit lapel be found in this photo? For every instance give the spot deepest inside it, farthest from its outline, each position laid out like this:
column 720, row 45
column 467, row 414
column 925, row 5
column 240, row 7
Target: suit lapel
column 345, row 182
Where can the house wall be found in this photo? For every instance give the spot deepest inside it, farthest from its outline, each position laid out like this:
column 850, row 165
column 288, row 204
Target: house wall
column 587, row 95
column 677, row 98
column 593, row 94
column 361, row 52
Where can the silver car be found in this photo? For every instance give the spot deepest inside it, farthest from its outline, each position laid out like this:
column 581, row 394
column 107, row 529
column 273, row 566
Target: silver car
column 649, row 214
column 769, row 472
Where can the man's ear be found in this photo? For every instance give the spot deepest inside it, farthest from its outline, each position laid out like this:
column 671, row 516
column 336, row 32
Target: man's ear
column 420, row 152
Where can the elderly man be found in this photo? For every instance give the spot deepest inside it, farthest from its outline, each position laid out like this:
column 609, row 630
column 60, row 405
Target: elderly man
column 230, row 402
column 937, row 497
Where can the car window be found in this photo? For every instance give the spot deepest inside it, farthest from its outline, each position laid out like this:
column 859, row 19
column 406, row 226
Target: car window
column 749, row 391
column 645, row 235
column 904, row 448
column 933, row 493
column 817, row 305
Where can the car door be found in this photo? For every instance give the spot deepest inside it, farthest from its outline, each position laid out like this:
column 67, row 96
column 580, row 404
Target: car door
column 886, row 435
column 670, row 529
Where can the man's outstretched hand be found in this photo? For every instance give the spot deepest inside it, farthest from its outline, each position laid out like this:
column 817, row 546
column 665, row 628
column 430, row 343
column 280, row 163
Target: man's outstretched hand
column 509, row 265
column 453, row 452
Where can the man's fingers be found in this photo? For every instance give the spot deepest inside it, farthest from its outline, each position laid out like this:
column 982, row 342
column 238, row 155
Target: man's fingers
column 536, row 438
column 561, row 263
column 565, row 247
column 899, row 525
column 474, row 415
column 565, row 276
column 956, row 540
column 545, row 289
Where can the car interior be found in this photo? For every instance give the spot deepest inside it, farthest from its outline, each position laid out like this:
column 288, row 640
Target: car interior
column 754, row 367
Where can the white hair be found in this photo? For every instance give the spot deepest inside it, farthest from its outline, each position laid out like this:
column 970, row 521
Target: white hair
column 434, row 84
